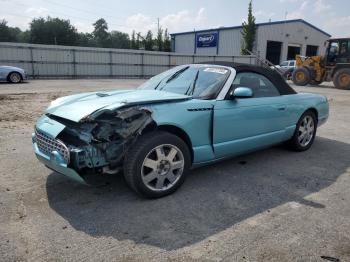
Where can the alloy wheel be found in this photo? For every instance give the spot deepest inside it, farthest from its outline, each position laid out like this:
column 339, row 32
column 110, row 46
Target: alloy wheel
column 162, row 167
column 306, row 131
column 15, row 78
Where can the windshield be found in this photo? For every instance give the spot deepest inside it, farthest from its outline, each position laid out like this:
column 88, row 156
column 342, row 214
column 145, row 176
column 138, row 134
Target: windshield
column 285, row 63
column 199, row 81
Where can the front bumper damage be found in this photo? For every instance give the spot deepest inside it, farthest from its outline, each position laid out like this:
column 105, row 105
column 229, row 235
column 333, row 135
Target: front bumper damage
column 56, row 162
column 91, row 146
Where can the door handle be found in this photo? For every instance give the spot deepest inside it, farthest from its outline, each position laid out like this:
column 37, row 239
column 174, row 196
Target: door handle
column 282, row 108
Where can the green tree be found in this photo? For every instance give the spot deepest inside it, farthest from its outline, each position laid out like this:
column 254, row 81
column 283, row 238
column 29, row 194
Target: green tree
column 138, row 42
column 24, row 37
column 100, row 32
column 149, row 41
column 159, row 39
column 167, row 41
column 86, row 39
column 248, row 32
column 133, row 40
column 52, row 31
column 119, row 40
column 8, row 34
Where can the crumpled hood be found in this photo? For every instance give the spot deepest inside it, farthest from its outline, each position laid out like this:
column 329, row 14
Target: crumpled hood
column 77, row 107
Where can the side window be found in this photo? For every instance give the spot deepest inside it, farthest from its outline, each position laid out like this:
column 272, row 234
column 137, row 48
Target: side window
column 343, row 48
column 333, row 51
column 209, row 81
column 284, row 63
column 260, row 85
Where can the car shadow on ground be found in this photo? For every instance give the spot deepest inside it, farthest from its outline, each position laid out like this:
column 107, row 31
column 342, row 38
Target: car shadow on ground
column 212, row 198
column 8, row 83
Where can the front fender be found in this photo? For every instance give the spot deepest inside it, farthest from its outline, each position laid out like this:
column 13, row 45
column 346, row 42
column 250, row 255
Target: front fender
column 195, row 118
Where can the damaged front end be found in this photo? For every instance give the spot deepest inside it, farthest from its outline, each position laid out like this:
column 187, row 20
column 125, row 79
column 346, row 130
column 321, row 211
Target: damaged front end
column 95, row 144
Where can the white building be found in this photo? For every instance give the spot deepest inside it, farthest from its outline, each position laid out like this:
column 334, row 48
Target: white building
column 275, row 41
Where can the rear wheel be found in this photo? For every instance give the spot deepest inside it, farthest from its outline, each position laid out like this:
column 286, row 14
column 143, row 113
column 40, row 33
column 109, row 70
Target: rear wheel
column 301, row 76
column 341, row 78
column 305, row 132
column 14, row 77
column 156, row 164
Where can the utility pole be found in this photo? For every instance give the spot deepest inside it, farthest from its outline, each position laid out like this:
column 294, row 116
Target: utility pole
column 140, row 36
column 158, row 35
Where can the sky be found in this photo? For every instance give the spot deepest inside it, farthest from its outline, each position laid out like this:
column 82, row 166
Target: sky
column 332, row 16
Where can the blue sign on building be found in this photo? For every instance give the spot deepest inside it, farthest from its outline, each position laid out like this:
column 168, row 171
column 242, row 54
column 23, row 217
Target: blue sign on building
column 207, row 39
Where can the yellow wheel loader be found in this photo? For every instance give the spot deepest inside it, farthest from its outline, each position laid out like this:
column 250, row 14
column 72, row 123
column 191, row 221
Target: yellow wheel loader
column 334, row 66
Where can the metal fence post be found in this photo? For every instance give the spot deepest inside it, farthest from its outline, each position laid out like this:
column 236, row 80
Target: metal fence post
column 110, row 64
column 74, row 64
column 142, row 66
column 32, row 60
column 169, row 61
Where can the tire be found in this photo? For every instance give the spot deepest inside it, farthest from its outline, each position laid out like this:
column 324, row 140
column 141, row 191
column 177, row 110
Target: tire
column 14, row 77
column 297, row 142
column 301, row 76
column 288, row 74
column 341, row 78
column 150, row 170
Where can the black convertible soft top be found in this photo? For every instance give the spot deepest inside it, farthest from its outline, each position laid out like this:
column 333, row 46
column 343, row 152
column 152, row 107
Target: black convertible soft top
column 272, row 75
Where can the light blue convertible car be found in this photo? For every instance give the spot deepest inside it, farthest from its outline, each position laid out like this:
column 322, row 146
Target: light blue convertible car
column 188, row 116
column 12, row 74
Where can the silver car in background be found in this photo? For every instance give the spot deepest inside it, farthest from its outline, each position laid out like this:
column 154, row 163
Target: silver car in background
column 287, row 67
column 12, row 74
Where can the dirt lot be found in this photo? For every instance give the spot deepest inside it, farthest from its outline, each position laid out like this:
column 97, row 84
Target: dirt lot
column 272, row 205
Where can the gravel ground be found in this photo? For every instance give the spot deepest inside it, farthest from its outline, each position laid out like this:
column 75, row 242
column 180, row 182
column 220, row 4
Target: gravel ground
column 272, row 205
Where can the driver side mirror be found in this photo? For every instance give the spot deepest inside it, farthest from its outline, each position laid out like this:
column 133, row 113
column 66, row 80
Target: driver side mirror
column 241, row 92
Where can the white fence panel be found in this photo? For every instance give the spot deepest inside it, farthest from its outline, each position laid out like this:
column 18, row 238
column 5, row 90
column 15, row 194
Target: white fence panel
column 73, row 62
column 19, row 54
column 55, row 55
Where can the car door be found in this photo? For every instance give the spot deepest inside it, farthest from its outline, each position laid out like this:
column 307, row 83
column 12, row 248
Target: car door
column 245, row 124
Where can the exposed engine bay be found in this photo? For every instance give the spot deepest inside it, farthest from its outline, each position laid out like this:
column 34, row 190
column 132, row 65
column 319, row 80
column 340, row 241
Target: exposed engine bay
column 98, row 145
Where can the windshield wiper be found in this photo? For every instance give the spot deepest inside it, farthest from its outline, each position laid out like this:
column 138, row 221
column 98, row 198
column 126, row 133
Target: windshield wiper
column 174, row 76
column 155, row 88
column 177, row 74
column 191, row 88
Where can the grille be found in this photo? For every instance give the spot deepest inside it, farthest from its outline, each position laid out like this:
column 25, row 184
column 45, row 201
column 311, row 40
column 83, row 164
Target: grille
column 48, row 144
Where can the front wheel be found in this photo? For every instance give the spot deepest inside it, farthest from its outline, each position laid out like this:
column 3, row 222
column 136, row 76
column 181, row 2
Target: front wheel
column 301, row 76
column 305, row 132
column 156, row 164
column 14, row 77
